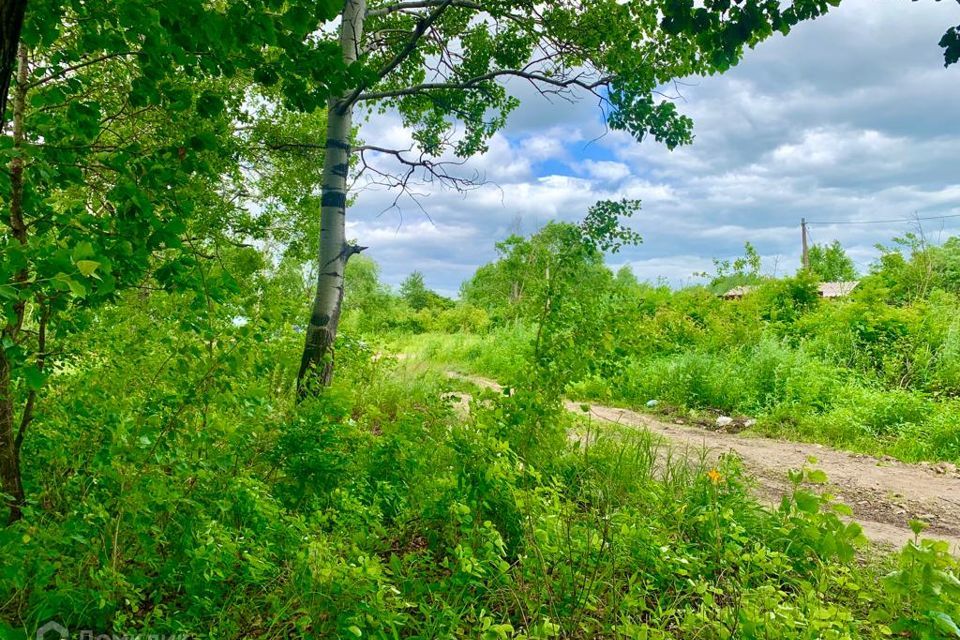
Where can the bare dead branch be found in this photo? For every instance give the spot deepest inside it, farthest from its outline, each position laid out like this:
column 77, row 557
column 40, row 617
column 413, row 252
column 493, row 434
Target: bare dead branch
column 429, row 171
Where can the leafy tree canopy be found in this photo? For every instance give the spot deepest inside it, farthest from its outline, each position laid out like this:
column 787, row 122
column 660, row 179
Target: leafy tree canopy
column 831, row 263
column 415, row 293
column 128, row 160
column 744, row 270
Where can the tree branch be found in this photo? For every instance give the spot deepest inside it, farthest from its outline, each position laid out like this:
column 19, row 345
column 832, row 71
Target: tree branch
column 432, row 171
column 425, row 4
column 27, row 416
column 80, row 65
column 403, row 54
column 477, row 81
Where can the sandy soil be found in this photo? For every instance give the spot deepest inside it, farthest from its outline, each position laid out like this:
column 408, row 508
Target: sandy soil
column 884, row 494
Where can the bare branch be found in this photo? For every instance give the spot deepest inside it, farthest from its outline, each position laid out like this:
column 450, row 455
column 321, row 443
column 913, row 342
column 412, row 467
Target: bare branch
column 476, row 82
column 425, row 4
column 430, row 170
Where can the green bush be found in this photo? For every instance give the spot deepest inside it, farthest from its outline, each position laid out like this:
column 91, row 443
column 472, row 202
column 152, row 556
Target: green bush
column 775, row 375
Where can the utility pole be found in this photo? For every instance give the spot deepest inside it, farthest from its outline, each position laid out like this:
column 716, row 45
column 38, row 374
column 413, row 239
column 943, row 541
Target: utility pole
column 806, row 251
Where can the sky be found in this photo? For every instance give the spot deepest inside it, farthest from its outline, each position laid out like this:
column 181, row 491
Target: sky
column 850, row 118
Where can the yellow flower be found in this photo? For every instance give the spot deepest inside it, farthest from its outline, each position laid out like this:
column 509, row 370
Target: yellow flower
column 714, row 476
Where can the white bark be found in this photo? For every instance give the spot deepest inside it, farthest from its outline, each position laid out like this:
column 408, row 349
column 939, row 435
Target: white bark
column 317, row 363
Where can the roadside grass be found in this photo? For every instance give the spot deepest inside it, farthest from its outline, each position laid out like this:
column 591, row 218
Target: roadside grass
column 791, row 394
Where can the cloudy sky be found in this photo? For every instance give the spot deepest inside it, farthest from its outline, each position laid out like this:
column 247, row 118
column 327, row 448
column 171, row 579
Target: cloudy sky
column 850, row 118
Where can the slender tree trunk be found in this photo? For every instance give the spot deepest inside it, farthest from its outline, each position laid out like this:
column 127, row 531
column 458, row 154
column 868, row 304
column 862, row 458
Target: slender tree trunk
column 10, row 479
column 316, row 366
column 11, row 22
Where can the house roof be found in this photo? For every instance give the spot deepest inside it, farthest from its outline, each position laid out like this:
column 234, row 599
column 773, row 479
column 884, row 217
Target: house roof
column 837, row 289
column 739, row 292
column 825, row 289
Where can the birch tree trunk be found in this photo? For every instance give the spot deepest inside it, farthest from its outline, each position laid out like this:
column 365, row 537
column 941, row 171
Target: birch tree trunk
column 316, row 365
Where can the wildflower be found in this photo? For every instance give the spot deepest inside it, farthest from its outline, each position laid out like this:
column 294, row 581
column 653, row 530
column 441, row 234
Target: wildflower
column 715, row 476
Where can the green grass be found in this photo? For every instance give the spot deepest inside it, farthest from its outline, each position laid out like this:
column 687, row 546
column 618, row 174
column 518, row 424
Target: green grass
column 379, row 511
column 793, row 395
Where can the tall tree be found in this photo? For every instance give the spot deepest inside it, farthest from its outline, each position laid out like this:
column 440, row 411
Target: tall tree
column 414, row 291
column 831, row 263
column 444, row 66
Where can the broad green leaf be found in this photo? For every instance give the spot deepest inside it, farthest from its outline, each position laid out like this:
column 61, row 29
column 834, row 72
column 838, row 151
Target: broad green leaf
column 842, row 509
column 87, row 267
column 33, row 377
column 76, row 288
column 946, row 623
column 807, row 502
column 82, row 251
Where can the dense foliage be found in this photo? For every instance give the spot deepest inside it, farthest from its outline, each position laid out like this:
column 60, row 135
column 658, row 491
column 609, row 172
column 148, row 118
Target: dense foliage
column 184, row 491
column 878, row 370
column 167, row 172
column 139, row 149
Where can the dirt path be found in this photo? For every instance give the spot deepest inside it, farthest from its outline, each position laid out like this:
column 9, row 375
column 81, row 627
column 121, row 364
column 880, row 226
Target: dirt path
column 884, row 494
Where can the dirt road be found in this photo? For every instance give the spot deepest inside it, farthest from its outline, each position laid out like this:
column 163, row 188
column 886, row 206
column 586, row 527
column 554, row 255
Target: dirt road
column 884, row 494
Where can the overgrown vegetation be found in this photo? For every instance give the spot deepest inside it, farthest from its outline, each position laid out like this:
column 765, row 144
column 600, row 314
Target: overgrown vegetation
column 220, row 508
column 875, row 371
column 168, row 466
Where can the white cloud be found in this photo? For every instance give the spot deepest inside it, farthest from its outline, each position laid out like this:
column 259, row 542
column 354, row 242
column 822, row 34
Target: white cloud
column 606, row 170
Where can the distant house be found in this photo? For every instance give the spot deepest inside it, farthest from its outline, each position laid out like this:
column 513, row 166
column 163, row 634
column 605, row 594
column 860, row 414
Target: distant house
column 837, row 289
column 826, row 289
column 737, row 292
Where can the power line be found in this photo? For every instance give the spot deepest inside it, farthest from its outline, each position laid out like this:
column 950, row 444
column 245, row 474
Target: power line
column 953, row 215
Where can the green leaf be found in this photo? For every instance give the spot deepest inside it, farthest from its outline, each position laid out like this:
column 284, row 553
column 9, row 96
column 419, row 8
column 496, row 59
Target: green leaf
column 33, row 377
column 76, row 288
column 917, row 526
column 946, row 623
column 10, row 633
column 854, row 530
column 806, row 502
column 82, row 251
column 329, row 8
column 203, row 141
column 209, row 105
column 355, row 630
column 299, row 19
column 178, row 98
column 87, row 267
column 842, row 509
column 817, row 476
